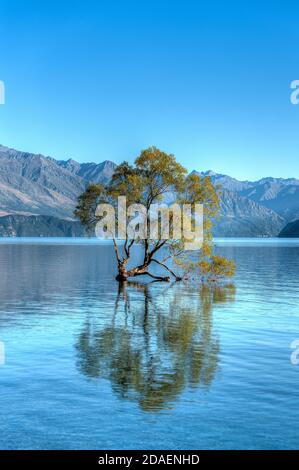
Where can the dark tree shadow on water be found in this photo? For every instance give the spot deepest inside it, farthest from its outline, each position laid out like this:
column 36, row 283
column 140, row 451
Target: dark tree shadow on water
column 159, row 341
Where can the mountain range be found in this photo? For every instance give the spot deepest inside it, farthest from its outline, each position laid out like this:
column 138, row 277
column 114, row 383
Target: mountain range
column 35, row 185
column 277, row 194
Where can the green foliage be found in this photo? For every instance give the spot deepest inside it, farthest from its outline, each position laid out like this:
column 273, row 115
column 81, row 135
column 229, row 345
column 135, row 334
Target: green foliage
column 216, row 267
column 153, row 175
column 87, row 204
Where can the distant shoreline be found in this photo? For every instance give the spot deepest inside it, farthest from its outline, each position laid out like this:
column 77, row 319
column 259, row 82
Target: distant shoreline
column 92, row 241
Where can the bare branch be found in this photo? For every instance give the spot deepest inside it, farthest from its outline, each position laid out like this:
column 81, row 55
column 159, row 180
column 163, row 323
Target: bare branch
column 158, row 278
column 178, row 278
column 156, row 248
column 116, row 251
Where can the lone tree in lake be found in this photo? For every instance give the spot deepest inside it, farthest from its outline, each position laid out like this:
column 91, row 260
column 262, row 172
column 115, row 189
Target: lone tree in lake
column 155, row 178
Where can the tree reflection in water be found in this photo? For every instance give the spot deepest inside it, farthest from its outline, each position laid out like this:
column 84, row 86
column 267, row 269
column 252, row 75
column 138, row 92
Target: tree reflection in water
column 159, row 341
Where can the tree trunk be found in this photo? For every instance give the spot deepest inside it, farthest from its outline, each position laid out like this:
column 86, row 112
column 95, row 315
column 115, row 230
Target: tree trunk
column 122, row 271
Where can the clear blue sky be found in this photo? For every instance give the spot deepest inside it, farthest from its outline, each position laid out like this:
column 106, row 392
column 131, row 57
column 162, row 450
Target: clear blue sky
column 207, row 81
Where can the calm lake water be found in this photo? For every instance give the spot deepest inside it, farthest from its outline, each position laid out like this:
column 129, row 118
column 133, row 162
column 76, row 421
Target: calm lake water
column 92, row 366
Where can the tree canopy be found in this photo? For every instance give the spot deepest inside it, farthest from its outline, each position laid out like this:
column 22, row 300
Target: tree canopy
column 154, row 178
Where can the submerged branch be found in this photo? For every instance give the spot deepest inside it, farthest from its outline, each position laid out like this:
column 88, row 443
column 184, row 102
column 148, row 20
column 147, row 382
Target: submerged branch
column 177, row 278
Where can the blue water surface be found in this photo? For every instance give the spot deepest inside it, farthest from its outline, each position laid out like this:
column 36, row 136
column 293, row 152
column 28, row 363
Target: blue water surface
column 90, row 364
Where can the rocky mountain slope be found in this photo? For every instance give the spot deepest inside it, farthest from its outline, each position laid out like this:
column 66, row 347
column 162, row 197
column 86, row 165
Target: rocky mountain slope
column 34, row 184
column 291, row 230
column 92, row 172
column 243, row 217
column 278, row 194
